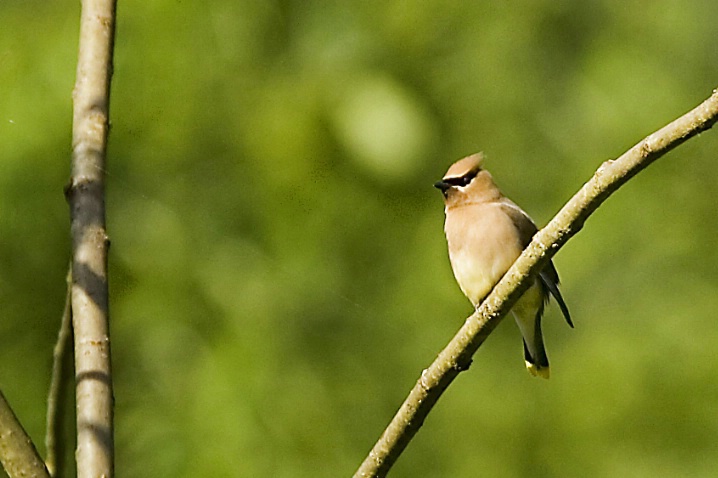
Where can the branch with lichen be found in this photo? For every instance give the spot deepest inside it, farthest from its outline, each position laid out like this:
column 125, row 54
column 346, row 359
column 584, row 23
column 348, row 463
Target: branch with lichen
column 456, row 356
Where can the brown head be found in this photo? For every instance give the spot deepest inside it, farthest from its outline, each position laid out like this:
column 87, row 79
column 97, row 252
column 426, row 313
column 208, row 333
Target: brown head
column 466, row 182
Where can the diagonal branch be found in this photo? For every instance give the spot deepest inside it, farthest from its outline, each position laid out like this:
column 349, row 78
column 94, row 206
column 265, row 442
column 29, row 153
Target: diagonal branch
column 90, row 244
column 456, row 357
column 17, row 452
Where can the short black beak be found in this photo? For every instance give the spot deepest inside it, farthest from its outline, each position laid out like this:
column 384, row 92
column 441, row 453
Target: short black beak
column 443, row 185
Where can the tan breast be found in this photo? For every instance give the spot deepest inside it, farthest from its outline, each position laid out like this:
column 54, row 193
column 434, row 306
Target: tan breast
column 483, row 243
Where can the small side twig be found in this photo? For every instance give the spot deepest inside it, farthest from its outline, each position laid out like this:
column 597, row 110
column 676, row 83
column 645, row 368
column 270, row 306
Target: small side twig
column 57, row 382
column 457, row 354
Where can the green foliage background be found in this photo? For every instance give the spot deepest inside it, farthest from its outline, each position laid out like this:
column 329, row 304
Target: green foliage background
column 279, row 273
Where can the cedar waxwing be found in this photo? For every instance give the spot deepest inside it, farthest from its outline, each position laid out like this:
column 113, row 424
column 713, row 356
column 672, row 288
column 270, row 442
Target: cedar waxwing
column 486, row 233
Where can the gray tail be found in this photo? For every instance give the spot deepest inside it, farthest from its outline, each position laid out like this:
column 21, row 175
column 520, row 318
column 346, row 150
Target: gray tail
column 537, row 364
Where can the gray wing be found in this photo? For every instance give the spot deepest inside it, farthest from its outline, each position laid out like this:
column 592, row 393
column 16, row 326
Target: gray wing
column 549, row 275
column 549, row 278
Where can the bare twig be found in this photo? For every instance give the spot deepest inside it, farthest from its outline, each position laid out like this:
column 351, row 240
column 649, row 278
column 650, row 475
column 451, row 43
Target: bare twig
column 57, row 382
column 90, row 243
column 456, row 357
column 17, row 453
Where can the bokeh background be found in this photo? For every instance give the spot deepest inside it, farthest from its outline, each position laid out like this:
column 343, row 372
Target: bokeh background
column 279, row 275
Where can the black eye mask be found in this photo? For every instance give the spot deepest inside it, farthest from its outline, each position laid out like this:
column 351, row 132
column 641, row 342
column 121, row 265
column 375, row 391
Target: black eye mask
column 448, row 183
column 462, row 180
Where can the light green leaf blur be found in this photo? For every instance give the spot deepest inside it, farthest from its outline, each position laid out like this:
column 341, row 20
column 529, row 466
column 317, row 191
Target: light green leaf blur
column 279, row 275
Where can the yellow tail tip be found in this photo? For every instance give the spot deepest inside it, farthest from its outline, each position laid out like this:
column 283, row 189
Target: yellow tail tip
column 536, row 371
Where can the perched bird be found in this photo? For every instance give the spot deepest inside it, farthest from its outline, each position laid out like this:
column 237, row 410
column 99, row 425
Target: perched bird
column 486, row 232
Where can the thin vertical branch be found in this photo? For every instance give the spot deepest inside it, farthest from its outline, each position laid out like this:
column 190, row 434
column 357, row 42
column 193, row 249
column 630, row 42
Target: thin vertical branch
column 90, row 243
column 57, row 382
column 17, row 453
